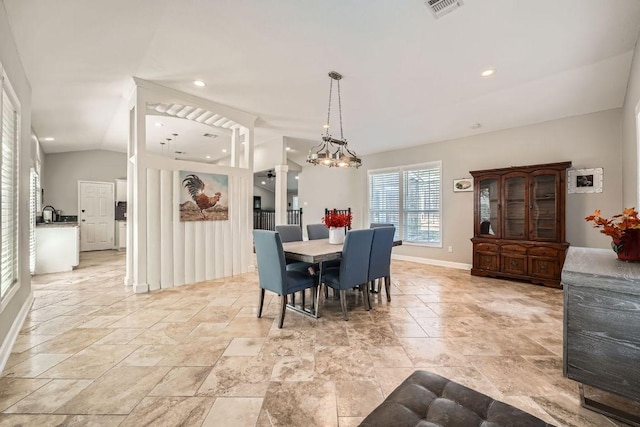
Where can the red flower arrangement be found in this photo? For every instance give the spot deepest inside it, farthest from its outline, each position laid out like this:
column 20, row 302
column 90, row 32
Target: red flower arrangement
column 617, row 226
column 336, row 219
column 624, row 230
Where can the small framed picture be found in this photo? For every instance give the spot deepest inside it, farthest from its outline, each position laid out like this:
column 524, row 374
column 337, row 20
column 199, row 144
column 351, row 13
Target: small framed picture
column 462, row 184
column 584, row 181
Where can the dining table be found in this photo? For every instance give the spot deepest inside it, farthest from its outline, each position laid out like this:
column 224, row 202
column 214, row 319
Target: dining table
column 318, row 252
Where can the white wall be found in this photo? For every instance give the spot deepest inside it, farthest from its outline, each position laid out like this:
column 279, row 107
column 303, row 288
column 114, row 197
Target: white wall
column 63, row 171
column 11, row 307
column 269, row 154
column 592, row 140
column 268, row 198
column 320, row 187
column 178, row 252
column 630, row 135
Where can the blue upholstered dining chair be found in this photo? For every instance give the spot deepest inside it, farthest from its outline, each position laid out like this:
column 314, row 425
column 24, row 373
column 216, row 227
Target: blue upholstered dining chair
column 317, row 231
column 379, row 224
column 380, row 259
column 272, row 271
column 354, row 267
column 292, row 233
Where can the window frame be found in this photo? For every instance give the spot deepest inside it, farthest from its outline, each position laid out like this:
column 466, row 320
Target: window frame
column 7, row 90
column 401, row 171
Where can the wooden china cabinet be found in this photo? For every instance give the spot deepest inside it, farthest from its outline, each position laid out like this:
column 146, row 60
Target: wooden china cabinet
column 519, row 222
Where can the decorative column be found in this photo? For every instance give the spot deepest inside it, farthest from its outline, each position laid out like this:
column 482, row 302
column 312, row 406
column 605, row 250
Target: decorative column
column 281, row 194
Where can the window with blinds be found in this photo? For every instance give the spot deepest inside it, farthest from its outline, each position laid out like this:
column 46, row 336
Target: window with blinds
column 410, row 198
column 8, row 194
column 34, row 208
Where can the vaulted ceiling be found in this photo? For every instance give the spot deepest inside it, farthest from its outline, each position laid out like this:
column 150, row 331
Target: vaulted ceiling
column 408, row 78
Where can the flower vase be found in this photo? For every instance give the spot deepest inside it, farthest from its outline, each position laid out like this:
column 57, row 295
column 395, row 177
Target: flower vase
column 336, row 235
column 628, row 246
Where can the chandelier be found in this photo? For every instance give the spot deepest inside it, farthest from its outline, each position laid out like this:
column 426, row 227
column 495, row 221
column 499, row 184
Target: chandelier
column 333, row 151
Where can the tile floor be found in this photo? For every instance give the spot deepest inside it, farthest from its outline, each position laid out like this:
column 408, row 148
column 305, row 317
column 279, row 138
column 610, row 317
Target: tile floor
column 93, row 353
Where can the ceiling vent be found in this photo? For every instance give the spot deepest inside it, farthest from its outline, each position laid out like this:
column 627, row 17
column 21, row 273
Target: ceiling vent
column 439, row 8
column 210, row 135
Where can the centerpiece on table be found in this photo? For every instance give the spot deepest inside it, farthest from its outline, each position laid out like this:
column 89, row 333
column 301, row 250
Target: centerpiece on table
column 337, row 224
column 624, row 230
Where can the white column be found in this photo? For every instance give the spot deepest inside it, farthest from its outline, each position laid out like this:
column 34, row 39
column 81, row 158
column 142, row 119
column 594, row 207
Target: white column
column 235, row 147
column 131, row 151
column 139, row 223
column 281, row 194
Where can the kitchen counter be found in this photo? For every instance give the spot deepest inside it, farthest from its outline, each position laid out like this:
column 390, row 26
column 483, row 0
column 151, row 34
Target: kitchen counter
column 56, row 224
column 57, row 247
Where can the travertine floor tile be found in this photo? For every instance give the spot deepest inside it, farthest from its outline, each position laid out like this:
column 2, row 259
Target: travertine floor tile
column 197, row 354
column 91, row 362
column 181, row 381
column 244, row 347
column 236, row 411
column 169, row 411
column 300, row 404
column 117, row 392
column 35, row 365
column 13, row 390
column 49, row 397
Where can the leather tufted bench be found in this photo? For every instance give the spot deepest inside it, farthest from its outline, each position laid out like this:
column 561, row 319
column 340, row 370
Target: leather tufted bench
column 429, row 400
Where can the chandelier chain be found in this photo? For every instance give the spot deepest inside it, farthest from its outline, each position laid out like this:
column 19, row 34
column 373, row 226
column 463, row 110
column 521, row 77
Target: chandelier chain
column 340, row 110
column 329, row 109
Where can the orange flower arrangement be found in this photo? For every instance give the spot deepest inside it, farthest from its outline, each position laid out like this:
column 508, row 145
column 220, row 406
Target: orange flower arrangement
column 618, row 224
column 336, row 219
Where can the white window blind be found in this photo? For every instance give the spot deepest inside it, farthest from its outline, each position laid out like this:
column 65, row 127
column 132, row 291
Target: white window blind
column 384, row 198
column 34, row 208
column 410, row 198
column 8, row 195
column 421, row 205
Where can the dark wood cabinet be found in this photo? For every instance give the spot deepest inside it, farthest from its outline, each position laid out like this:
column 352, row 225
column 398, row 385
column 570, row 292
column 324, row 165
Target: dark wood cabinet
column 519, row 222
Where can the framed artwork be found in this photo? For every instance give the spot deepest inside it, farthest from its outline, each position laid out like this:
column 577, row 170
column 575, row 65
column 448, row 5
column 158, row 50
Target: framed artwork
column 203, row 196
column 462, row 185
column 584, row 180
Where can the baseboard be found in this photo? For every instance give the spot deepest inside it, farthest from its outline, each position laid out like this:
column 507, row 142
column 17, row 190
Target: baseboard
column 430, row 261
column 140, row 288
column 10, row 339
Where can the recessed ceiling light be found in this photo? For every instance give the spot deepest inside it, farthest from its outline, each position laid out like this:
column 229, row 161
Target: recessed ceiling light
column 159, row 124
column 199, row 83
column 49, row 138
column 244, row 143
column 325, row 126
column 288, row 148
column 263, row 183
column 224, row 150
column 489, row 72
column 208, row 157
column 296, row 176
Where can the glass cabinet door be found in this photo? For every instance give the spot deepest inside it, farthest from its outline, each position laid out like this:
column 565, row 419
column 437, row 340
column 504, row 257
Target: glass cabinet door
column 515, row 213
column 544, row 224
column 488, row 206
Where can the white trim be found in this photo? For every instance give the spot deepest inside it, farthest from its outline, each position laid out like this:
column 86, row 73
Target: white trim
column 140, row 288
column 12, row 335
column 431, row 261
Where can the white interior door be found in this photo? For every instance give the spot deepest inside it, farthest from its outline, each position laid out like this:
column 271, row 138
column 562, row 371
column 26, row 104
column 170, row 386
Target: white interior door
column 96, row 215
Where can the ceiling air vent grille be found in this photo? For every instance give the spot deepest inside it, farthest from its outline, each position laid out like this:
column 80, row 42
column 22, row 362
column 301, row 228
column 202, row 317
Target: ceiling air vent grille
column 210, row 135
column 440, row 8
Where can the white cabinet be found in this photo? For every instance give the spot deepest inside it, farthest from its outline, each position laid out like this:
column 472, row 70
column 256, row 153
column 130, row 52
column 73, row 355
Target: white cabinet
column 57, row 248
column 121, row 190
column 121, row 235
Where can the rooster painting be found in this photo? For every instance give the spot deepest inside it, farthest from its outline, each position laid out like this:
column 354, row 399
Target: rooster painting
column 196, row 187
